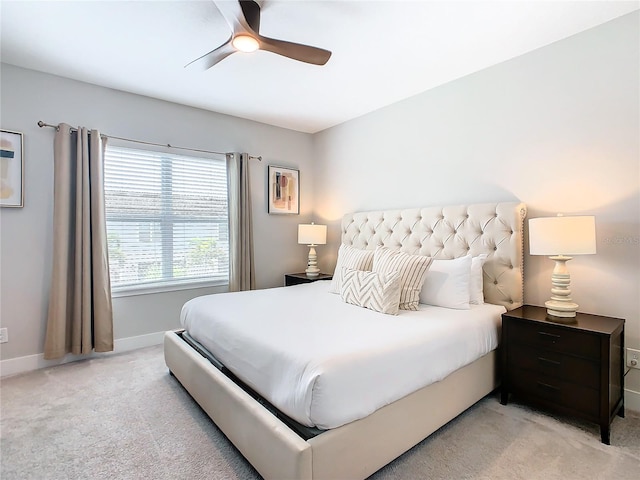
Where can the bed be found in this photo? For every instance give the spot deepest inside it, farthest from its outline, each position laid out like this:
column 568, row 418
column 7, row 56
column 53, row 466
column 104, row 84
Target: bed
column 344, row 444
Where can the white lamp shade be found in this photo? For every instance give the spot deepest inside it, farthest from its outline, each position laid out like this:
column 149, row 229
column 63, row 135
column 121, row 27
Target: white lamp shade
column 561, row 235
column 312, row 234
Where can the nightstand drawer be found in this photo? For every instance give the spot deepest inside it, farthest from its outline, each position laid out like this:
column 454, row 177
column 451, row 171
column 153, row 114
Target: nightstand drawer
column 575, row 370
column 555, row 391
column 556, row 338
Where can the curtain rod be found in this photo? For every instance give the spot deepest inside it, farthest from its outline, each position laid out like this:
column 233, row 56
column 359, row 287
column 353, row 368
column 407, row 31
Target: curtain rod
column 42, row 124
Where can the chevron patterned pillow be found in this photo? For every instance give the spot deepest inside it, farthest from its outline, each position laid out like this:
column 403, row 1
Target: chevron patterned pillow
column 375, row 291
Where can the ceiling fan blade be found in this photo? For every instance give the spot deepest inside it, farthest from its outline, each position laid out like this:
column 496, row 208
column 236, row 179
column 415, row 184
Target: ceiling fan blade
column 297, row 51
column 251, row 11
column 242, row 17
column 210, row 59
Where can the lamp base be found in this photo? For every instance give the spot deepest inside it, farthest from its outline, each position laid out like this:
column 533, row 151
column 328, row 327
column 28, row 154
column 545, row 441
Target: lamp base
column 560, row 305
column 312, row 264
column 561, row 309
column 312, row 273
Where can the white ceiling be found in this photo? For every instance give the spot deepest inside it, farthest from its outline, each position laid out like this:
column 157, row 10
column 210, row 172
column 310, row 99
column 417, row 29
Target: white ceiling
column 383, row 51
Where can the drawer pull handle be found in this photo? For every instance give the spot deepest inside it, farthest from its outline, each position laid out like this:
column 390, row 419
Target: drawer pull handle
column 549, row 336
column 548, row 387
column 550, row 362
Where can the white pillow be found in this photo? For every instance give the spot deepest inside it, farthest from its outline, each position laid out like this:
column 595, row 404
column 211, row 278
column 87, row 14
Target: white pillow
column 447, row 283
column 412, row 270
column 476, row 283
column 375, row 291
column 350, row 257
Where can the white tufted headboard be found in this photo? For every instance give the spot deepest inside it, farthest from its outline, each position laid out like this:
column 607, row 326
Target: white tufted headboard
column 450, row 232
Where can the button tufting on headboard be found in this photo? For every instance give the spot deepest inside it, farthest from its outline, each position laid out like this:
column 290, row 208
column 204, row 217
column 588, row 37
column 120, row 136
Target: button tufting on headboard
column 450, row 232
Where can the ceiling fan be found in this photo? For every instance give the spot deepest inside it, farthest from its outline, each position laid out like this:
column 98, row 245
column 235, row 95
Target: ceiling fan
column 243, row 16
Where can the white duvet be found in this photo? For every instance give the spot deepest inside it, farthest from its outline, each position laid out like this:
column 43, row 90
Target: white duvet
column 325, row 363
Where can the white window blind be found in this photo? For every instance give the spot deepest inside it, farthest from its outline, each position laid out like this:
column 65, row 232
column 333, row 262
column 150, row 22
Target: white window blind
column 167, row 219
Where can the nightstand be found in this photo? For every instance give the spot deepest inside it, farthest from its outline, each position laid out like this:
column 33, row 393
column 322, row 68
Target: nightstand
column 571, row 368
column 298, row 278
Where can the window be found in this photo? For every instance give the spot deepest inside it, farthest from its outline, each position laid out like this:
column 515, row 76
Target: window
column 167, row 220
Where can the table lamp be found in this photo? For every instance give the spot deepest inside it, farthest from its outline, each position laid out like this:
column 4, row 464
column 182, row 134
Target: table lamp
column 561, row 236
column 312, row 235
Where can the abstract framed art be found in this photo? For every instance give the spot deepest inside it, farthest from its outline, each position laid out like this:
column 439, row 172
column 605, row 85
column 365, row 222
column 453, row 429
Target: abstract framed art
column 11, row 169
column 284, row 191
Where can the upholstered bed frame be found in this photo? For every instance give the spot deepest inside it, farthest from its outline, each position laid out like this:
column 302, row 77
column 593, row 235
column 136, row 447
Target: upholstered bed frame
column 358, row 449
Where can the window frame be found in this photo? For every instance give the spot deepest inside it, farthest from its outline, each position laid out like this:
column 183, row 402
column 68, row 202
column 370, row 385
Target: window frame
column 167, row 220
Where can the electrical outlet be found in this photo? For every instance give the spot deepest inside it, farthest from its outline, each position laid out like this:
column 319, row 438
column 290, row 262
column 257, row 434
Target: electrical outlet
column 633, row 358
column 4, row 335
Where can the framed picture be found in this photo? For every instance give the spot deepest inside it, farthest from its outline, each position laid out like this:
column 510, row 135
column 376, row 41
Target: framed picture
column 284, row 191
column 11, row 169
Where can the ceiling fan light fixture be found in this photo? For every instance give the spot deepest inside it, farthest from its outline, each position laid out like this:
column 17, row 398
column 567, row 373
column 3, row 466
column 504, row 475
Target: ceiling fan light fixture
column 245, row 43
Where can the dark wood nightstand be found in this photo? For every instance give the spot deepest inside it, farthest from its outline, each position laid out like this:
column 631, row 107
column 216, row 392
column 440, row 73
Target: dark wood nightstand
column 298, row 278
column 571, row 368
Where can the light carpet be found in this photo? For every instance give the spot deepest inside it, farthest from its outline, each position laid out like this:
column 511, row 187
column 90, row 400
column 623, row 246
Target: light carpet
column 124, row 417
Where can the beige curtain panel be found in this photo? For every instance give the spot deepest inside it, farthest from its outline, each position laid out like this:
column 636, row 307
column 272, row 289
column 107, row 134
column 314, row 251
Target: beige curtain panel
column 80, row 315
column 241, row 268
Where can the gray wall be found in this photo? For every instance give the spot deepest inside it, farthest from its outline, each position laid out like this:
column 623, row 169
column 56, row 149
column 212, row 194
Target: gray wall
column 556, row 128
column 26, row 233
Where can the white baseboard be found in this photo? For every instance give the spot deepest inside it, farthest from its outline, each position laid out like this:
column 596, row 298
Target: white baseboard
column 13, row 366
column 631, row 400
